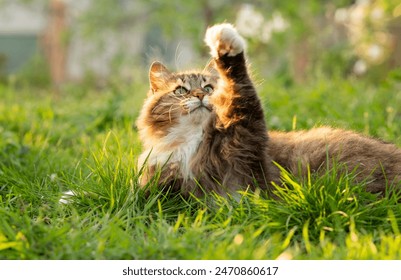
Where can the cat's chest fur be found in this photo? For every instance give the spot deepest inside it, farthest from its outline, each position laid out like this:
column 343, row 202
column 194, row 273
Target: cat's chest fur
column 178, row 147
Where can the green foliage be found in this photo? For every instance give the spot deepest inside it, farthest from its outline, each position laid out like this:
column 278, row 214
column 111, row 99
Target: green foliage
column 358, row 105
column 84, row 140
column 313, row 40
column 35, row 73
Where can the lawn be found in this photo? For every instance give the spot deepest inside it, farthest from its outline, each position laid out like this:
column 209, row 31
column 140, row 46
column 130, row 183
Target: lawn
column 85, row 140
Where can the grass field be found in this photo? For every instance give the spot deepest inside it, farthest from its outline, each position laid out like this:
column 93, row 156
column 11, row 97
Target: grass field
column 84, row 140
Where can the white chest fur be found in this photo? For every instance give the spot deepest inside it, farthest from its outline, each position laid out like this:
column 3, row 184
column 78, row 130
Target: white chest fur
column 179, row 146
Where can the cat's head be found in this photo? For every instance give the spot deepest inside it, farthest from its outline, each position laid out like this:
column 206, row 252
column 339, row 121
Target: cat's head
column 175, row 98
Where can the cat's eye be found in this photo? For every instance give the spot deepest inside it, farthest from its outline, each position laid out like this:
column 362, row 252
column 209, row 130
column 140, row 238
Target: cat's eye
column 208, row 88
column 180, row 90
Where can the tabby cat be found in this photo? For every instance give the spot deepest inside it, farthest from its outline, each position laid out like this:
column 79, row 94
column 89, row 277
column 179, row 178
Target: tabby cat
column 204, row 131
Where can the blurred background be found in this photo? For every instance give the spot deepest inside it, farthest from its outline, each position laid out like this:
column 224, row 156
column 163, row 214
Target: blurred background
column 56, row 42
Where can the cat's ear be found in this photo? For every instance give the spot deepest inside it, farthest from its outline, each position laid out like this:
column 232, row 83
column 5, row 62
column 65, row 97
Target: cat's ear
column 210, row 68
column 158, row 76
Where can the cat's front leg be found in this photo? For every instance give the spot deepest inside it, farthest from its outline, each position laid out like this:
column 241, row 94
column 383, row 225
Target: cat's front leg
column 227, row 48
column 235, row 151
column 235, row 99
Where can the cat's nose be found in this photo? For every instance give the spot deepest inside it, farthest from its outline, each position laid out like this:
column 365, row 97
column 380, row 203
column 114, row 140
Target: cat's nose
column 199, row 93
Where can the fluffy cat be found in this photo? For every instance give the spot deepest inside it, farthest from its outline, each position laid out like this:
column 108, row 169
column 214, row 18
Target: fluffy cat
column 205, row 131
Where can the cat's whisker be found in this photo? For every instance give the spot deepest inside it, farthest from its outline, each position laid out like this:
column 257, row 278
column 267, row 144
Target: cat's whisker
column 186, row 106
column 169, row 112
column 162, row 104
column 171, row 109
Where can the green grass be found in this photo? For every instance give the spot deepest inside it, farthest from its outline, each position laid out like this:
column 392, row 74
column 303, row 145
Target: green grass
column 84, row 140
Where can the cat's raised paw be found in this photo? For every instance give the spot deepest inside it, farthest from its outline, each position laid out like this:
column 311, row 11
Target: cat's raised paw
column 224, row 39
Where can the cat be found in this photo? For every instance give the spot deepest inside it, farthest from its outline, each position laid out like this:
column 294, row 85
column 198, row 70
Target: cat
column 205, row 131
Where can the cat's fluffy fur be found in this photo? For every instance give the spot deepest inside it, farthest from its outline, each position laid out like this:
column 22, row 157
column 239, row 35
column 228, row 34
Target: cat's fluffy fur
column 205, row 131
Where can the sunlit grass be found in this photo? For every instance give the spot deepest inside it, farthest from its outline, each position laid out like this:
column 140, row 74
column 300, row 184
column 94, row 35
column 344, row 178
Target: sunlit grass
column 87, row 143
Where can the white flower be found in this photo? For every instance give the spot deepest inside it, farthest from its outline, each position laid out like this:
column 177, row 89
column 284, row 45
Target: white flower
column 249, row 21
column 66, row 197
column 279, row 24
column 266, row 33
column 53, row 177
column 360, row 67
column 358, row 12
column 377, row 14
column 341, row 15
column 363, row 2
column 375, row 52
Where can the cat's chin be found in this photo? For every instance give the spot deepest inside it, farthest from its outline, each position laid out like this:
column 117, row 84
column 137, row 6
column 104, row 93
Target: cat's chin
column 206, row 109
column 199, row 114
column 201, row 109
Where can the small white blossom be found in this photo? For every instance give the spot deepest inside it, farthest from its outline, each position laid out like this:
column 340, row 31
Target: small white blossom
column 341, row 15
column 66, row 197
column 375, row 52
column 358, row 13
column 266, row 33
column 249, row 21
column 377, row 14
column 279, row 24
column 53, row 177
column 360, row 67
column 363, row 2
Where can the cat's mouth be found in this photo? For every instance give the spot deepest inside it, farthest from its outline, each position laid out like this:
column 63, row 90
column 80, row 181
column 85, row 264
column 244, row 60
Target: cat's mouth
column 201, row 107
column 192, row 106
